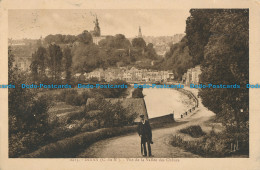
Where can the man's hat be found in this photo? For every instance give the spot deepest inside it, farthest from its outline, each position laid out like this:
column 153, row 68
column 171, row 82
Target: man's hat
column 141, row 116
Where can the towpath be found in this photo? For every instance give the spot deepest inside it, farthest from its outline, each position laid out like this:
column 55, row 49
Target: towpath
column 128, row 146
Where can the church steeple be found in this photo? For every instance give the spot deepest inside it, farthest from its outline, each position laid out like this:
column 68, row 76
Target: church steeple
column 97, row 31
column 140, row 33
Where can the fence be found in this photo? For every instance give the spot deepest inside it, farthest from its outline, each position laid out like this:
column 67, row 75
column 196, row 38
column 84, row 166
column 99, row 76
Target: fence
column 193, row 98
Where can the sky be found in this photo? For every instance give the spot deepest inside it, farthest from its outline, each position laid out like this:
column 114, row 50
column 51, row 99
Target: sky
column 28, row 23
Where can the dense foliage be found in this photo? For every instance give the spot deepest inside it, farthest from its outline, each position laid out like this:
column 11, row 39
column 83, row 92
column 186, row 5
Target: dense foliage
column 85, row 37
column 110, row 52
column 226, row 61
column 72, row 97
column 60, row 39
column 197, row 32
column 219, row 40
column 68, row 64
column 47, row 63
column 28, row 124
column 110, row 115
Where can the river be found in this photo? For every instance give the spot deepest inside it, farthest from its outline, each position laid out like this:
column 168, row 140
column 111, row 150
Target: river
column 161, row 101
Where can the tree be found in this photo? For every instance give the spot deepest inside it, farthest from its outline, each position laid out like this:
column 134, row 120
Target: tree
column 85, row 37
column 150, row 52
column 67, row 63
column 39, row 64
column 139, row 43
column 60, row 39
column 10, row 63
column 55, row 61
column 197, row 32
column 224, row 60
column 121, row 42
column 115, row 42
column 86, row 58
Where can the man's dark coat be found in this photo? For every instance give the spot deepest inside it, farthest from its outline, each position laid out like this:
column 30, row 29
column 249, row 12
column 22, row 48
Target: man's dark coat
column 145, row 131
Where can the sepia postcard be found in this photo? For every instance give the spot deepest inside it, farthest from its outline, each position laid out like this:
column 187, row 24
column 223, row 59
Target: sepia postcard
column 130, row 84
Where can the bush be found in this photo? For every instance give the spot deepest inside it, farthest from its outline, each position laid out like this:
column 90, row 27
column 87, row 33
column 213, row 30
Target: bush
column 28, row 118
column 205, row 148
column 71, row 147
column 214, row 144
column 93, row 113
column 22, row 143
column 28, row 133
column 137, row 93
column 112, row 92
column 111, row 114
column 193, row 131
column 75, row 115
column 60, row 133
column 90, row 126
column 72, row 97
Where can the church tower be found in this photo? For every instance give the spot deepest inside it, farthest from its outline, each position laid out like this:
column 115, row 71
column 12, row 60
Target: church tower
column 140, row 33
column 97, row 31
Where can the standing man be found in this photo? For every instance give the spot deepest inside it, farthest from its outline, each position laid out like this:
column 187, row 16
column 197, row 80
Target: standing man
column 145, row 132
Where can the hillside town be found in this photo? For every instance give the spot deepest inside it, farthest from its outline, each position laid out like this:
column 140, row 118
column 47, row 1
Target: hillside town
column 25, row 48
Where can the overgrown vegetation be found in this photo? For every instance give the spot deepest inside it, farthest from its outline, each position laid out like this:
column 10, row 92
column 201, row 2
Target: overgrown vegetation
column 72, row 97
column 215, row 144
column 106, row 114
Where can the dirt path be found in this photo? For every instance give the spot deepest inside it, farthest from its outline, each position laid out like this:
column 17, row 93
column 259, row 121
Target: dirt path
column 128, row 146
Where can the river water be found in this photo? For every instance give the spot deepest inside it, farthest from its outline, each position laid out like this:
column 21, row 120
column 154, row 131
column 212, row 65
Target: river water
column 163, row 101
